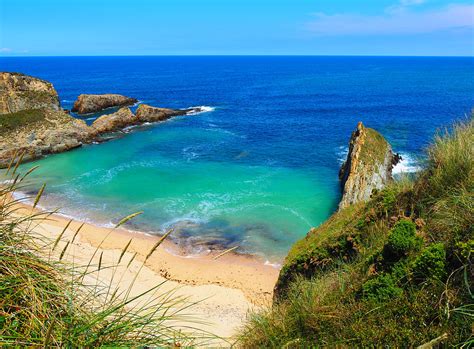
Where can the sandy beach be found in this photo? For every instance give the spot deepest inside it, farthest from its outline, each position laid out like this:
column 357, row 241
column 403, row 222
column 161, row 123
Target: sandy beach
column 225, row 289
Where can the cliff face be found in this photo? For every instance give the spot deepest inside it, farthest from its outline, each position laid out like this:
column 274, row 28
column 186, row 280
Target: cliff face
column 368, row 166
column 22, row 92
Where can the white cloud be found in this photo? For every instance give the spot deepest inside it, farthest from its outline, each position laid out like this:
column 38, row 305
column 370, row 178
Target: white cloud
column 402, row 21
column 5, row 49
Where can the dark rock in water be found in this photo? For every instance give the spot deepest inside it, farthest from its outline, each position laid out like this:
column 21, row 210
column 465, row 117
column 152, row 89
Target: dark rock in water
column 86, row 103
column 368, row 166
column 22, row 92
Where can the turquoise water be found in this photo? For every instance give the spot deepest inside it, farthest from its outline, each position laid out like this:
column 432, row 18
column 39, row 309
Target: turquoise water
column 261, row 168
column 212, row 204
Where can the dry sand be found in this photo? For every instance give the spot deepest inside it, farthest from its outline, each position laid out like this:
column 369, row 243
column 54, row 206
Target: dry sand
column 225, row 288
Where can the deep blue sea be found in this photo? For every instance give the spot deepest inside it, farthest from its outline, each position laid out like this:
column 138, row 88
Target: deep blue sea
column 259, row 169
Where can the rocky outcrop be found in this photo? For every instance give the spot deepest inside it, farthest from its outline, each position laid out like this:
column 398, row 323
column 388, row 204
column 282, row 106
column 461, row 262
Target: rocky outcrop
column 368, row 166
column 38, row 126
column 21, row 92
column 86, row 103
column 114, row 122
column 146, row 113
column 44, row 131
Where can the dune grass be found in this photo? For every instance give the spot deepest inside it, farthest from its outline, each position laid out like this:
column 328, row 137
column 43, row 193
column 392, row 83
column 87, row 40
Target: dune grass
column 46, row 301
column 395, row 272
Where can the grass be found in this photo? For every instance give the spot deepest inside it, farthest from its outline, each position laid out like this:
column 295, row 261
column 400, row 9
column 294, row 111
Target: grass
column 397, row 271
column 11, row 122
column 46, row 301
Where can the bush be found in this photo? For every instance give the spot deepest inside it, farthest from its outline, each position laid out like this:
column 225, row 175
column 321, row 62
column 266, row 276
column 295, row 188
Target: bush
column 431, row 263
column 381, row 288
column 401, row 240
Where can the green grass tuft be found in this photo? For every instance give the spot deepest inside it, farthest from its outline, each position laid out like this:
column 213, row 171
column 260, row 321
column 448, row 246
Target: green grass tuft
column 394, row 272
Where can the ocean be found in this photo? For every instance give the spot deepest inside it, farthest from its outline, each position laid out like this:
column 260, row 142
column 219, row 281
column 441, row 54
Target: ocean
column 260, row 167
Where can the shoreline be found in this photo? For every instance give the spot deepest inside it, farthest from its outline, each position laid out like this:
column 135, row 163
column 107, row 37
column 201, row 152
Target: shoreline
column 223, row 291
column 247, row 273
column 172, row 244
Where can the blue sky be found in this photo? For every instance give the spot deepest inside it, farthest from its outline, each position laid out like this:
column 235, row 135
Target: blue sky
column 308, row 27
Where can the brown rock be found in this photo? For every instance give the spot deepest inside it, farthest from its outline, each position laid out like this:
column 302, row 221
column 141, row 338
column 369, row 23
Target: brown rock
column 116, row 121
column 146, row 113
column 22, row 92
column 86, row 104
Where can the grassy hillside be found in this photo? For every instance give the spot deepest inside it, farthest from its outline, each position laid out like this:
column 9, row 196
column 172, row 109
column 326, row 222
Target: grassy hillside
column 397, row 271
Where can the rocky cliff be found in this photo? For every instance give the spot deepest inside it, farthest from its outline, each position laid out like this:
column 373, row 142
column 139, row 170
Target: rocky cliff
column 33, row 124
column 368, row 166
column 22, row 92
column 87, row 103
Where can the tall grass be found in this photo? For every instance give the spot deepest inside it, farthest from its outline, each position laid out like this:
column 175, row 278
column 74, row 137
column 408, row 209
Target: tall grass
column 47, row 301
column 423, row 296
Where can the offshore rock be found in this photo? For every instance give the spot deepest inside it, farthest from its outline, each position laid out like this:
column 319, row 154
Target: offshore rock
column 87, row 103
column 32, row 124
column 20, row 92
column 146, row 113
column 368, row 166
column 115, row 121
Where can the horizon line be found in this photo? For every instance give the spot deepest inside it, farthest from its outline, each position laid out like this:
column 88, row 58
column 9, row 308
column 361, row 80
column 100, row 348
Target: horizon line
column 235, row 55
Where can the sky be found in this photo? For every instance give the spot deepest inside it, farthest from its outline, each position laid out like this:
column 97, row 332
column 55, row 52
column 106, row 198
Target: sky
column 236, row 27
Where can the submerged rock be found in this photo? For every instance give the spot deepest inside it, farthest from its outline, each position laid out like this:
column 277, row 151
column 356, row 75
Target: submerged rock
column 21, row 92
column 368, row 166
column 87, row 103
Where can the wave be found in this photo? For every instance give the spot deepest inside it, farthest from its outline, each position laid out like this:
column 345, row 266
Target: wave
column 200, row 109
column 407, row 165
column 341, row 153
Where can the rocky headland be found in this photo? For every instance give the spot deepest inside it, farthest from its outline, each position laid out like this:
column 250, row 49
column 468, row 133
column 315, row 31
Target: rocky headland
column 368, row 166
column 367, row 169
column 87, row 103
column 33, row 124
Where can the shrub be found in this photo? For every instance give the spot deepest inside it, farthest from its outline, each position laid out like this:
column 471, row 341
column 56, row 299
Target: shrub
column 431, row 263
column 381, row 288
column 401, row 240
column 389, row 197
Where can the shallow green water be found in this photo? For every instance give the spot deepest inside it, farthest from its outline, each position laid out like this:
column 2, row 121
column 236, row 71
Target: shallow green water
column 176, row 175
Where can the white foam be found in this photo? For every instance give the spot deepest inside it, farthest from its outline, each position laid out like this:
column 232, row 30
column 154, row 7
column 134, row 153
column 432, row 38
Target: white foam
column 274, row 265
column 201, row 109
column 406, row 165
column 341, row 153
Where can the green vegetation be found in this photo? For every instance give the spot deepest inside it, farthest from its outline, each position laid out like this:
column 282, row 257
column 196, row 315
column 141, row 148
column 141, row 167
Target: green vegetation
column 25, row 118
column 45, row 301
column 374, row 152
column 397, row 271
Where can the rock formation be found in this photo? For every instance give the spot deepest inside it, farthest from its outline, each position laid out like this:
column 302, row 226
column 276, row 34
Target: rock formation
column 32, row 122
column 146, row 113
column 22, row 92
column 86, row 104
column 114, row 122
column 368, row 166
